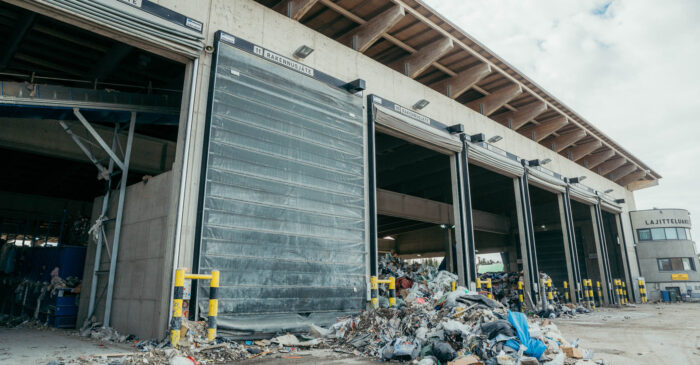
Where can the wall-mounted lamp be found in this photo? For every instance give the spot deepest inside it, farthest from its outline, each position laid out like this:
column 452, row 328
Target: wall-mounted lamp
column 533, row 163
column 456, row 129
column 608, row 191
column 389, row 238
column 479, row 137
column 575, row 180
column 303, row 52
column 545, row 161
column 495, row 139
column 420, row 104
column 620, row 201
column 355, row 86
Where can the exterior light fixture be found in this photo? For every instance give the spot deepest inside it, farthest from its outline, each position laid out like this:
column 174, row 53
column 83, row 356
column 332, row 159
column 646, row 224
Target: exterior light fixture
column 420, row 104
column 389, row 238
column 545, row 161
column 608, row 191
column 355, row 86
column 303, row 52
column 477, row 138
column 443, row 226
column 533, row 163
column 575, row 180
column 456, row 129
column 620, row 201
column 495, row 139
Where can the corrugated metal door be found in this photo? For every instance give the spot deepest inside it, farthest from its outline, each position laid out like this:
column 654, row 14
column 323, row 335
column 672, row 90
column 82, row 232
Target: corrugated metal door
column 283, row 201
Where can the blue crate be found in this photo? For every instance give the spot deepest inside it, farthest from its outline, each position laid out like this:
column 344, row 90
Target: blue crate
column 63, row 321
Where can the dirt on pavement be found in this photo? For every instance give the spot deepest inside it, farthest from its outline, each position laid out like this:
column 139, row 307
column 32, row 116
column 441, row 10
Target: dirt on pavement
column 657, row 334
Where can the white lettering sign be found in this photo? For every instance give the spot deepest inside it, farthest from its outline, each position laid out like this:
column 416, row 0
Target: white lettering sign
column 412, row 114
column 274, row 57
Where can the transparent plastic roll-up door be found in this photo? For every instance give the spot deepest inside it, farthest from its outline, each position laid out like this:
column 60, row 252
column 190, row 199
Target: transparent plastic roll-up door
column 283, row 200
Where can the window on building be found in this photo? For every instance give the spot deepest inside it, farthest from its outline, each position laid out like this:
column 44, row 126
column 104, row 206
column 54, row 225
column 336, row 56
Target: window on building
column 671, row 233
column 676, row 264
column 644, row 234
column 658, row 234
column 681, row 234
column 687, row 231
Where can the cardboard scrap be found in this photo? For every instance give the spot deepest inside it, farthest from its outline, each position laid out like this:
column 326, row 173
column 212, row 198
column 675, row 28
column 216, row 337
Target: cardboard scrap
column 573, row 352
column 466, row 360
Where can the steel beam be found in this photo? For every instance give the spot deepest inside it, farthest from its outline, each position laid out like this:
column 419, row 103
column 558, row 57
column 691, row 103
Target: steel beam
column 101, row 141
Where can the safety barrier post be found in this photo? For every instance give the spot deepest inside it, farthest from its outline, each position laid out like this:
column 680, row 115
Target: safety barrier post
column 454, row 286
column 600, row 293
column 488, row 288
column 478, row 285
column 617, row 291
column 624, row 293
column 585, row 292
column 521, row 297
column 392, row 291
column 374, row 289
column 213, row 304
column 550, row 297
column 566, row 292
column 176, row 323
column 642, row 290
column 592, row 293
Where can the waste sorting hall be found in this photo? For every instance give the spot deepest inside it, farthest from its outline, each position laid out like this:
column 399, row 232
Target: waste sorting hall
column 288, row 144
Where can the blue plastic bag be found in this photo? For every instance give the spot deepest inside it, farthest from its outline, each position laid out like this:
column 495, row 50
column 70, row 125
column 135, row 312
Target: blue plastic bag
column 535, row 348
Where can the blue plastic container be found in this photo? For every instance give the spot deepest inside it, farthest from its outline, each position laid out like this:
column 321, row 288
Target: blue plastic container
column 666, row 296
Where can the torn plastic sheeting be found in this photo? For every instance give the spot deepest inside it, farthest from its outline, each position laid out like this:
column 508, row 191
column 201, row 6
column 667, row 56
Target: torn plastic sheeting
column 270, row 324
column 535, row 348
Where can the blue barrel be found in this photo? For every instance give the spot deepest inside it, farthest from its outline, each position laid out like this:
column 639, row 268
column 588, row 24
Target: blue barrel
column 666, row 296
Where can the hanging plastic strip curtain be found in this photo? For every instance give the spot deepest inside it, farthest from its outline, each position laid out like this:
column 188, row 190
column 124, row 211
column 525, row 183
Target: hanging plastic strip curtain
column 283, row 207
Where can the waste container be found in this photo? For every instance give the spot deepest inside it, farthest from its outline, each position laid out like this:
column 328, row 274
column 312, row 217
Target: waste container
column 665, row 296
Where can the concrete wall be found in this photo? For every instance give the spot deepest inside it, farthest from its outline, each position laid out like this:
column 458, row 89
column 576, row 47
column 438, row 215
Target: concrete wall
column 260, row 25
column 141, row 290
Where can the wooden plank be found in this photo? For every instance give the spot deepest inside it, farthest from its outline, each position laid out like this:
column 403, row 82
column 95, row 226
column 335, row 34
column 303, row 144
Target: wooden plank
column 610, row 165
column 565, row 140
column 367, row 34
column 622, row 172
column 463, row 81
column 490, row 103
column 416, row 63
column 596, row 159
column 518, row 118
column 295, row 9
column 584, row 149
column 545, row 128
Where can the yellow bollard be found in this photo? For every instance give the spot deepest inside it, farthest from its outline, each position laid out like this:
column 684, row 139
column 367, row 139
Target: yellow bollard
column 642, row 291
column 374, row 287
column 213, row 305
column 549, row 290
column 176, row 324
column 566, row 292
column 488, row 288
column 454, row 286
column 521, row 297
column 392, row 291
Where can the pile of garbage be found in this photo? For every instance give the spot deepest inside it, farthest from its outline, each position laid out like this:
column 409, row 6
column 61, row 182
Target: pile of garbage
column 433, row 325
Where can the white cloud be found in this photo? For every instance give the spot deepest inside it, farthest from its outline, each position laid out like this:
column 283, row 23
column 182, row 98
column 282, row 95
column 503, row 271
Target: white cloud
column 630, row 67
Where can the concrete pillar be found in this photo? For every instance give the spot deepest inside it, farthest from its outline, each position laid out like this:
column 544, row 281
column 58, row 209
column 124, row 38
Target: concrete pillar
column 599, row 255
column 567, row 248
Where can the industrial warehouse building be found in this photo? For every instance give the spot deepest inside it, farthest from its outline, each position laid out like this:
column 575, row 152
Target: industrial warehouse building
column 287, row 144
column 666, row 253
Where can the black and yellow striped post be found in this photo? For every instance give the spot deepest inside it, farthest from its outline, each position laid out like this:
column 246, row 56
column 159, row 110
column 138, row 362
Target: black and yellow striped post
column 454, row 286
column 521, row 296
column 566, row 292
column 585, row 292
column 617, row 291
column 591, row 293
column 489, row 288
column 600, row 293
column 213, row 304
column 180, row 276
column 176, row 323
column 550, row 295
column 374, row 289
column 625, row 300
column 392, row 291
column 478, row 285
column 642, row 290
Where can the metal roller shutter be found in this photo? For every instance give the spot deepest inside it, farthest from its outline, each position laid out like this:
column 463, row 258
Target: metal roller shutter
column 609, row 204
column 283, row 201
column 583, row 194
column 545, row 179
column 495, row 158
column 393, row 123
column 143, row 20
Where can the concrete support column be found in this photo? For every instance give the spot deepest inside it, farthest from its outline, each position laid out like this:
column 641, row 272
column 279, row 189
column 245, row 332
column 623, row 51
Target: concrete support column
column 567, row 248
column 599, row 246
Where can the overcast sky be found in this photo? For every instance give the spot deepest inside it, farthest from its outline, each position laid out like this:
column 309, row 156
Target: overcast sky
column 630, row 67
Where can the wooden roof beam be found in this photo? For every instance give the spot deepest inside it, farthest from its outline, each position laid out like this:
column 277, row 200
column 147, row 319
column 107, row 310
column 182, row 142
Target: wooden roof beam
column 580, row 151
column 416, row 63
column 295, row 9
column 463, row 81
column 492, row 102
column 634, row 176
column 544, row 129
column 622, row 172
column 565, row 140
column 364, row 36
column 596, row 159
column 610, row 165
column 518, row 118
